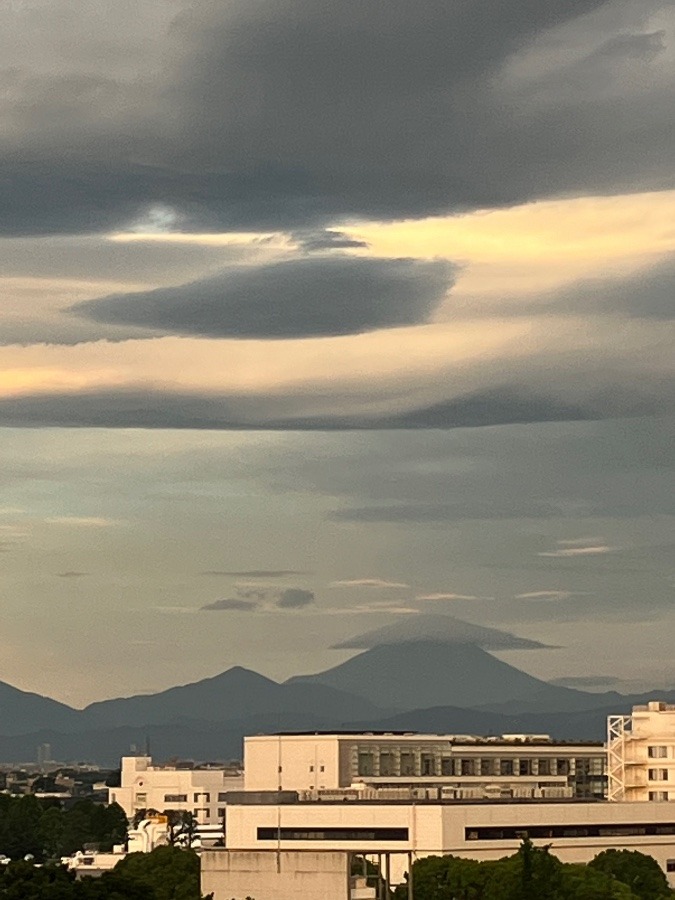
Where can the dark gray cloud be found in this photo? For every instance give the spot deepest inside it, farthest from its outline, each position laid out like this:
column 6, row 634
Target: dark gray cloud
column 300, row 113
column 231, row 604
column 441, row 628
column 255, row 573
column 137, row 408
column 295, row 598
column 327, row 239
column 328, row 295
column 71, row 574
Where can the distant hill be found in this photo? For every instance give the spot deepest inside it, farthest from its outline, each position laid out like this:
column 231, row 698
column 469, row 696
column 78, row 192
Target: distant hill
column 234, row 694
column 426, row 673
column 22, row 711
column 426, row 685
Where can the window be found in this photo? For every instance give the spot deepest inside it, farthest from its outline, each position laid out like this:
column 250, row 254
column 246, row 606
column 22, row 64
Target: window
column 311, row 768
column 563, row 766
column 506, row 767
column 222, row 797
column 322, row 768
column 467, row 767
column 658, row 774
column 447, row 766
column 387, row 763
column 487, row 767
column 332, row 834
column 141, row 798
column 407, row 763
column 175, row 798
column 428, row 764
column 657, row 752
column 544, row 766
column 515, row 833
column 196, row 798
column 525, row 767
column 670, row 865
column 658, row 796
column 221, row 812
column 366, row 764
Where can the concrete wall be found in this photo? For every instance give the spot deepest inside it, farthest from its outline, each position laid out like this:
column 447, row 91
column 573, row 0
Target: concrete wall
column 235, row 875
column 307, row 762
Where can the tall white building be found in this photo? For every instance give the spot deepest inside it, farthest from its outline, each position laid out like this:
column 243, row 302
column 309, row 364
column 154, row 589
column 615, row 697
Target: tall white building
column 200, row 791
column 641, row 754
column 424, row 765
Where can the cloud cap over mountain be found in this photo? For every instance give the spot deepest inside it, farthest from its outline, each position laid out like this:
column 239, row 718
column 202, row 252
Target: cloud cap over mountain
column 440, row 629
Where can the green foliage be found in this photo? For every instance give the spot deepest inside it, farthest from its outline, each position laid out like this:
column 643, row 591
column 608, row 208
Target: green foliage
column 165, row 874
column 640, row 872
column 534, row 873
column 47, row 830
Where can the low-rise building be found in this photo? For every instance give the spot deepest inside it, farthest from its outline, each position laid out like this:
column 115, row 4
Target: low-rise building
column 576, row 831
column 425, row 765
column 200, row 791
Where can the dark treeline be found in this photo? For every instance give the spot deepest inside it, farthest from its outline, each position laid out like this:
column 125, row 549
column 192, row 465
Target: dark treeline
column 45, row 829
column 165, row 874
column 533, row 873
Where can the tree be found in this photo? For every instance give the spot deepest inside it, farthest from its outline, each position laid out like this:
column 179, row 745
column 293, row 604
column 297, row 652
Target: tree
column 640, row 872
column 182, row 827
column 168, row 873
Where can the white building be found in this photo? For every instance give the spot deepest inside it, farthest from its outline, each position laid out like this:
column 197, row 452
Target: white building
column 200, row 791
column 576, row 831
column 424, row 765
column 641, row 754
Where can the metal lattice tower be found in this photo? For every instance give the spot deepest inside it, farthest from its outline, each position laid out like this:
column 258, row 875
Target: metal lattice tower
column 619, row 729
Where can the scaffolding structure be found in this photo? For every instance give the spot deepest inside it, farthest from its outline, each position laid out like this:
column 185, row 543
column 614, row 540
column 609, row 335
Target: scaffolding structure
column 619, row 731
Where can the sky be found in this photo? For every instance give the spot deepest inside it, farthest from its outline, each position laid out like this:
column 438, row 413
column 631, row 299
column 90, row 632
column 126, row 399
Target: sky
column 317, row 318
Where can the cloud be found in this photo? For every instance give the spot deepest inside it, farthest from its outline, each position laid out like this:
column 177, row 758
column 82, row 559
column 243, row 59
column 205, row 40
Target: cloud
column 150, row 407
column 441, row 597
column 231, row 604
column 295, row 598
column 71, row 574
column 377, row 583
column 569, row 549
column 254, row 573
column 327, row 239
column 306, row 112
column 82, row 521
column 327, row 295
column 443, row 629
column 546, row 595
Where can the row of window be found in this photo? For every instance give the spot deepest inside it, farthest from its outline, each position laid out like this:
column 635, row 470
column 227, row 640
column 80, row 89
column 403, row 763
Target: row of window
column 333, row 834
column 183, row 798
column 406, row 763
column 660, row 752
column 519, row 832
column 658, row 774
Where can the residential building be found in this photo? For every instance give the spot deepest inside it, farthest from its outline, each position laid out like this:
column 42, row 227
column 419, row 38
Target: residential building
column 641, row 754
column 424, row 765
column 198, row 790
